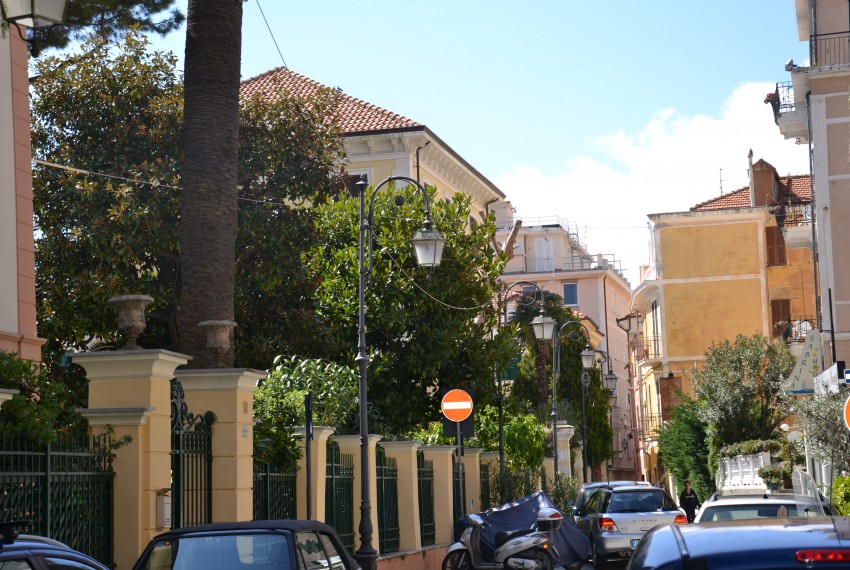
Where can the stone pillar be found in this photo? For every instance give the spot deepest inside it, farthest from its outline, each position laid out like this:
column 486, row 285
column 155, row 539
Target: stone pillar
column 549, row 470
column 130, row 390
column 444, row 520
column 351, row 444
column 7, row 394
column 229, row 394
column 404, row 452
column 318, row 472
column 472, row 474
column 565, row 433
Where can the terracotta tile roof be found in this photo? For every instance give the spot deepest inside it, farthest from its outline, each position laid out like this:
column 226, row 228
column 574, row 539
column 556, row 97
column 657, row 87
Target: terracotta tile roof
column 792, row 190
column 355, row 116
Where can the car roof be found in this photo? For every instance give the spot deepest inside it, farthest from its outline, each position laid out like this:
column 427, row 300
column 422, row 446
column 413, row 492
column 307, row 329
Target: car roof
column 617, row 483
column 273, row 525
column 771, row 542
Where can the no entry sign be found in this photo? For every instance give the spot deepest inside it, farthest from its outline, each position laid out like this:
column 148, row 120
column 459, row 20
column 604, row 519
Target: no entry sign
column 847, row 413
column 456, row 405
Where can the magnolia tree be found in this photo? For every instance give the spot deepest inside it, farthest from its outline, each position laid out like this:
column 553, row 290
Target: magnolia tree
column 821, row 416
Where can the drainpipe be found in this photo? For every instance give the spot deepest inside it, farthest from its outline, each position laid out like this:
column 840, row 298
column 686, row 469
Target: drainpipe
column 815, row 259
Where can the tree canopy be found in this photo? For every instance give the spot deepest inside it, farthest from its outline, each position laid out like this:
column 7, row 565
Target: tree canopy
column 108, row 224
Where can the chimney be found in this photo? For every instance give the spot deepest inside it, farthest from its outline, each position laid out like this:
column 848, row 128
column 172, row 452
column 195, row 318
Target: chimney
column 752, row 185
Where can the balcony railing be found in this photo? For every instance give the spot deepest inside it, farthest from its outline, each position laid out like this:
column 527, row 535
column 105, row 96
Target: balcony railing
column 781, row 100
column 649, row 426
column 649, row 348
column 829, row 49
column 795, row 329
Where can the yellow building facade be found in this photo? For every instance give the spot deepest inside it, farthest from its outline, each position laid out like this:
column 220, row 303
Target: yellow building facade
column 731, row 265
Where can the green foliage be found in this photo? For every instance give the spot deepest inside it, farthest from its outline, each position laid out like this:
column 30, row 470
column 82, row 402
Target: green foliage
column 840, row 495
column 820, row 416
column 741, row 389
column 97, row 236
column 108, row 19
column 43, row 408
column 432, row 434
column 279, row 399
column 752, row 446
column 423, row 335
column 563, row 490
column 684, row 450
column 524, row 439
column 774, row 476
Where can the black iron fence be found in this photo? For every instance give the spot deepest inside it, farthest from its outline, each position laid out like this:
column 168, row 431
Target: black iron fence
column 425, row 475
column 457, row 506
column 64, row 488
column 484, row 473
column 339, row 494
column 274, row 493
column 387, row 483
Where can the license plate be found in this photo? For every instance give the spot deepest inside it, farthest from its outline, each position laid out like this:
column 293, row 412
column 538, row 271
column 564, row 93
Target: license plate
column 635, row 542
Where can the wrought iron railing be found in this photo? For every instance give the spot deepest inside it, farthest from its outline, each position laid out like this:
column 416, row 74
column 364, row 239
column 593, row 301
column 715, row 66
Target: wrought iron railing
column 484, row 470
column 191, row 462
column 339, row 494
column 387, row 483
column 648, row 348
column 781, row 100
column 457, row 506
column 829, row 49
column 64, row 488
column 274, row 493
column 795, row 329
column 649, row 426
column 425, row 474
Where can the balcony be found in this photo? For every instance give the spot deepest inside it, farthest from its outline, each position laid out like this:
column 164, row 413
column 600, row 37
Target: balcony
column 648, row 350
column 795, row 329
column 649, row 426
column 577, row 261
column 829, row 49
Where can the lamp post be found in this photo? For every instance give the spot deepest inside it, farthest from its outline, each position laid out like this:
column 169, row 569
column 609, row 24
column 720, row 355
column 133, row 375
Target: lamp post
column 545, row 329
column 502, row 306
column 428, row 244
column 40, row 16
column 610, row 379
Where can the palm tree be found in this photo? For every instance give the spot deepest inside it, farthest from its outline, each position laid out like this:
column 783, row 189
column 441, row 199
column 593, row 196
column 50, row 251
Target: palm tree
column 210, row 146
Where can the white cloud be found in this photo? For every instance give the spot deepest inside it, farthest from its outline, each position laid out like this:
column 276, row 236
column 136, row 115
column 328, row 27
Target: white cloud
column 672, row 164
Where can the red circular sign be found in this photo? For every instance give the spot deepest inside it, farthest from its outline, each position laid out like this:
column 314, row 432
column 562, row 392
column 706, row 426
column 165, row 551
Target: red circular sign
column 847, row 413
column 456, row 405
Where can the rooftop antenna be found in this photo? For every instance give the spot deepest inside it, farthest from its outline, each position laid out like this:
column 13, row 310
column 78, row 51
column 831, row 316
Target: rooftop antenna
column 721, row 182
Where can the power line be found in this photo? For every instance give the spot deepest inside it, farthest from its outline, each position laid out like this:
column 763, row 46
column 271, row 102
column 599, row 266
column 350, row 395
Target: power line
column 263, row 14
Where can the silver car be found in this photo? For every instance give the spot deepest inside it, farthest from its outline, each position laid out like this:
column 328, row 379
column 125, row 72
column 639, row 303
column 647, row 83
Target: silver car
column 616, row 518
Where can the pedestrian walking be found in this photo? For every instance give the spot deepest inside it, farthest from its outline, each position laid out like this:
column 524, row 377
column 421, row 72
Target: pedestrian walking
column 689, row 502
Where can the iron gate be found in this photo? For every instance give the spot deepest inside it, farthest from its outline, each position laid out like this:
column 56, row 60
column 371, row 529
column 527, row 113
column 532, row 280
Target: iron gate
column 387, row 484
column 425, row 472
column 339, row 494
column 191, row 462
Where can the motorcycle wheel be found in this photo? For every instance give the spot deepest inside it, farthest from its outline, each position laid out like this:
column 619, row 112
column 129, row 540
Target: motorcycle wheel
column 456, row 560
column 541, row 557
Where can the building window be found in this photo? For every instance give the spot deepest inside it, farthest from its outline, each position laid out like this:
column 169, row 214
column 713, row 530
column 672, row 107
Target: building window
column 571, row 293
column 352, row 177
column 780, row 317
column 775, row 246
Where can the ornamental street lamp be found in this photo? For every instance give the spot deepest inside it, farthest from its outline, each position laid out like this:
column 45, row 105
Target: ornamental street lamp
column 502, row 306
column 610, row 379
column 547, row 328
column 40, row 16
column 428, row 244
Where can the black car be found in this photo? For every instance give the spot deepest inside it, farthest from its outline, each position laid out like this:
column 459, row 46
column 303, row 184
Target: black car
column 253, row 545
column 768, row 544
column 27, row 552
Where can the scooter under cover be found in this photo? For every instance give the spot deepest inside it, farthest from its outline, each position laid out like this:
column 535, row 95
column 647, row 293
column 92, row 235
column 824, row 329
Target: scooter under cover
column 571, row 543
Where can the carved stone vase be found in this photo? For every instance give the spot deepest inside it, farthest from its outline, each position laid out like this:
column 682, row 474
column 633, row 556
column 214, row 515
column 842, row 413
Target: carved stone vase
column 131, row 316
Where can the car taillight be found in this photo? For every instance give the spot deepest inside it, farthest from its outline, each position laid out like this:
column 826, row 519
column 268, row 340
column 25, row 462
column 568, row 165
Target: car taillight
column 607, row 525
column 823, row 555
column 681, row 519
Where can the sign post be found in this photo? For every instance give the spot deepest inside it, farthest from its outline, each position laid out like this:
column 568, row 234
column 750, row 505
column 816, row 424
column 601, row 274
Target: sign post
column 457, row 406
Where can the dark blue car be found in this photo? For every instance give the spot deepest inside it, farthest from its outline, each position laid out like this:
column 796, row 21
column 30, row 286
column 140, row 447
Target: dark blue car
column 769, row 544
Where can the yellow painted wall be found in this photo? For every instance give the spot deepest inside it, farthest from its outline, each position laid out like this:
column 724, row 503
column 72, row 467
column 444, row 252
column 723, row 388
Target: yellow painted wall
column 704, row 251
column 700, row 313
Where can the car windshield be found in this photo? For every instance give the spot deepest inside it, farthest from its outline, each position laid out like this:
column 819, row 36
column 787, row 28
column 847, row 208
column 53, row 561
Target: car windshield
column 639, row 501
column 219, row 552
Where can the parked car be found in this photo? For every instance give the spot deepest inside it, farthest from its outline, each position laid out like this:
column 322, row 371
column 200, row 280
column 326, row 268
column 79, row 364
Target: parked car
column 25, row 552
column 764, row 544
column 253, row 545
column 758, row 506
column 616, row 518
column 587, row 490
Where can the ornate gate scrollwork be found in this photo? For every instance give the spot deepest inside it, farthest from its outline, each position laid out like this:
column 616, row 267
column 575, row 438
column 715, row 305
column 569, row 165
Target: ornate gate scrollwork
column 191, row 462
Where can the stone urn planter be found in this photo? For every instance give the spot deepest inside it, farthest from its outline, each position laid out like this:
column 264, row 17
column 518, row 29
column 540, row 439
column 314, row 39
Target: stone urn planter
column 131, row 316
column 218, row 335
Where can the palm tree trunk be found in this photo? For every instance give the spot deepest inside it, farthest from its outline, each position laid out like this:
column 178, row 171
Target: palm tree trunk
column 210, row 146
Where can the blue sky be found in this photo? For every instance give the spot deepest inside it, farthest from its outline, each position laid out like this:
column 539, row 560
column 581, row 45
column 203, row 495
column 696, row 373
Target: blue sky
column 597, row 112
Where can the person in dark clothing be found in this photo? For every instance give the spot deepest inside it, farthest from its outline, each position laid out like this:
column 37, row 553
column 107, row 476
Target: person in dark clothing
column 689, row 502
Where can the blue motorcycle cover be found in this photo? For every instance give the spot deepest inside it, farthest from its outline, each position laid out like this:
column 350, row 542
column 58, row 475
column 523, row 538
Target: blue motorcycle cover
column 571, row 543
